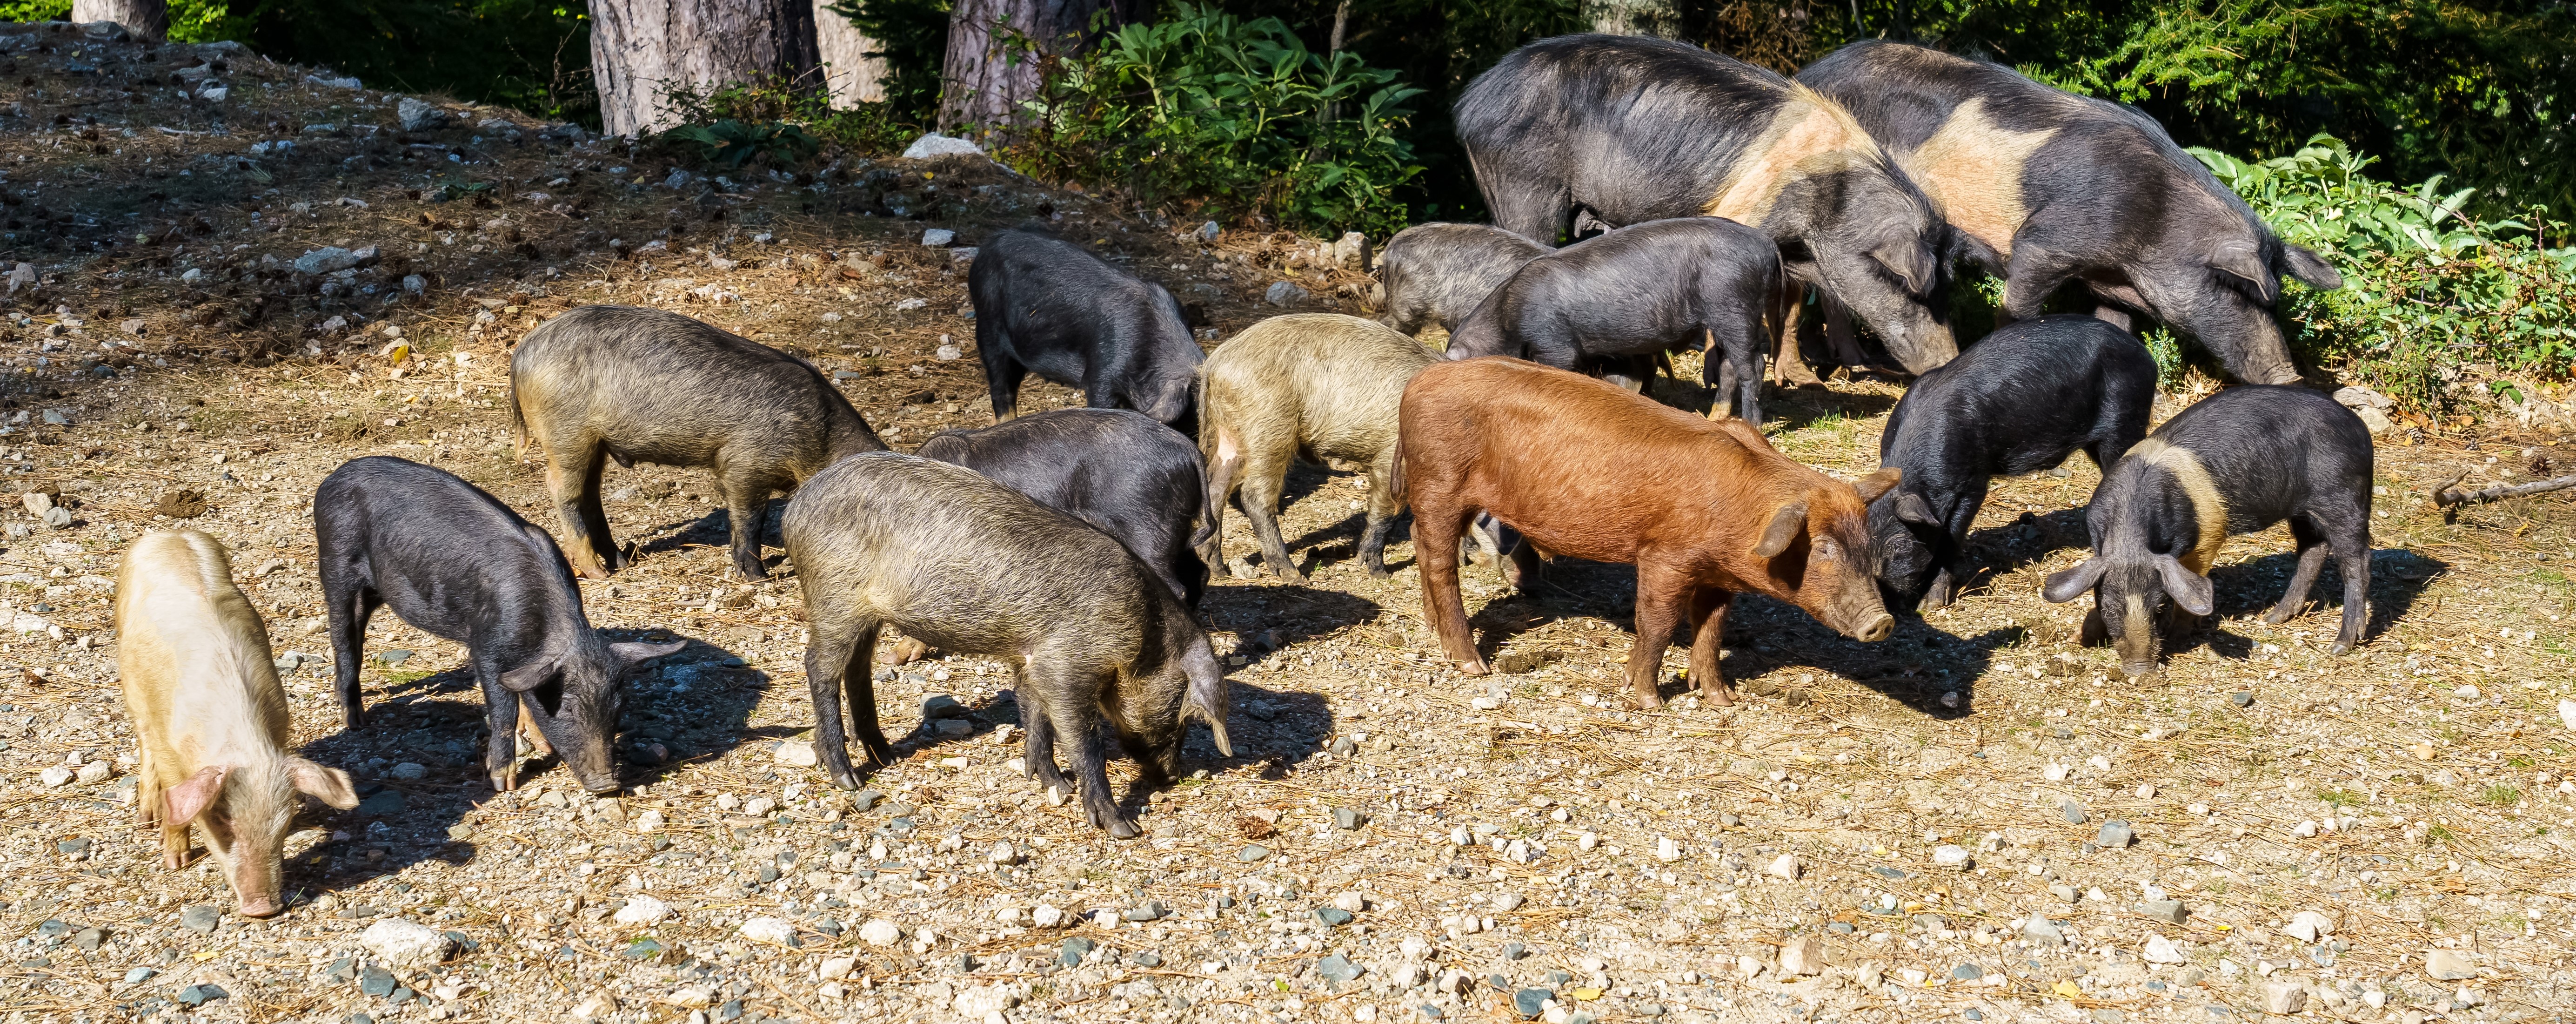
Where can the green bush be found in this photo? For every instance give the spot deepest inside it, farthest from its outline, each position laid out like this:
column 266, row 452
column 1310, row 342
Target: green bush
column 780, row 119
column 1207, row 109
column 2430, row 294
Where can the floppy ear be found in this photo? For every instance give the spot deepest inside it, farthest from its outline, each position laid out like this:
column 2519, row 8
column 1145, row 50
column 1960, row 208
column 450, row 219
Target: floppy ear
column 1909, row 262
column 532, row 675
column 2063, row 586
column 2237, row 258
column 329, row 785
column 182, row 803
column 1911, row 507
column 636, row 654
column 1878, row 483
column 1783, row 529
column 2309, row 268
column 2189, row 589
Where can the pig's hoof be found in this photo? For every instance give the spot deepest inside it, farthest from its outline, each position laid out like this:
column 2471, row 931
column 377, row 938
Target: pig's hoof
column 1121, row 828
column 503, row 782
column 1378, row 571
column 1474, row 668
column 1717, row 695
column 2339, row 649
column 1646, row 701
column 753, row 572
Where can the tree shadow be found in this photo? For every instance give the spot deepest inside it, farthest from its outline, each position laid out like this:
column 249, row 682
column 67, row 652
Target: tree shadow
column 688, row 706
column 1802, row 407
column 2247, row 589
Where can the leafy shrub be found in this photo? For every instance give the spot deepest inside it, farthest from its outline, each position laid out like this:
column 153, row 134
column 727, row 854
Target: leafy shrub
column 912, row 36
column 731, row 144
column 2430, row 294
column 1237, row 115
column 780, row 120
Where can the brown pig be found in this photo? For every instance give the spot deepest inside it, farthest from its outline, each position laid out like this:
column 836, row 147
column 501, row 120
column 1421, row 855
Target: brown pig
column 1705, row 509
column 201, row 689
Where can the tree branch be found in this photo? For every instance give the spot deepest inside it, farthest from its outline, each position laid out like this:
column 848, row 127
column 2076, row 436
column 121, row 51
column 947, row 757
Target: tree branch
column 2448, row 498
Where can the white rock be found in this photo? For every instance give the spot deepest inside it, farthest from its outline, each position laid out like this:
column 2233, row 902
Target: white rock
column 419, row 116
column 1414, row 948
column 2318, row 920
column 1046, row 916
column 977, row 1003
column 1667, row 850
column 94, row 772
column 2284, row 998
column 1949, row 855
column 880, row 932
column 938, row 238
column 695, row 997
column 1350, row 902
column 56, row 776
column 650, row 821
column 2300, row 930
column 932, row 144
column 2567, row 714
column 1786, row 866
column 2304, row 830
column 2055, row 772
column 643, row 910
column 2466, row 692
column 794, row 753
column 407, row 945
column 598, row 1005
column 1004, row 853
column 776, row 931
column 2161, row 950
column 836, row 968
column 1587, row 840
column 759, row 806
column 1801, row 956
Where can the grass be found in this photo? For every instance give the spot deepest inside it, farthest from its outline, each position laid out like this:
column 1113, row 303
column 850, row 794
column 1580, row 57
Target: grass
column 2503, row 795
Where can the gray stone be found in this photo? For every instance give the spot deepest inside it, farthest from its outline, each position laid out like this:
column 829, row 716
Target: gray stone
column 952, row 728
column 200, row 918
column 2063, row 892
column 932, row 144
column 376, row 981
column 419, row 115
column 1514, row 950
column 199, row 995
column 383, row 804
column 1967, row 972
column 1283, row 293
column 2072, row 811
column 2241, row 698
column 1333, row 917
column 2445, row 965
column 1338, row 968
column 938, row 238
column 1347, row 818
column 2040, row 931
column 330, row 259
column 1148, row 912
column 139, row 975
column 1074, row 950
column 1207, row 232
column 2115, row 835
column 866, row 799
column 2170, row 911
column 1252, row 853
column 1531, row 1002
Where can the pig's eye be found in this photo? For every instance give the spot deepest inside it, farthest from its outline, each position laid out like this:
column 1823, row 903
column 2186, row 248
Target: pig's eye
column 1825, row 549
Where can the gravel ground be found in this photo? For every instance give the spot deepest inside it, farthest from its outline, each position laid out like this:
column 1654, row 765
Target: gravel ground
column 1972, row 821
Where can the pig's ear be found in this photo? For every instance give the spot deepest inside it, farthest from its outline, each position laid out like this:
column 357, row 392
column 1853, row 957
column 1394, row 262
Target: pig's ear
column 635, row 654
column 329, row 785
column 2189, row 589
column 2065, row 585
column 182, row 803
column 532, row 675
column 1872, row 486
column 2238, row 258
column 2311, row 269
column 1909, row 262
column 1911, row 507
column 1786, row 522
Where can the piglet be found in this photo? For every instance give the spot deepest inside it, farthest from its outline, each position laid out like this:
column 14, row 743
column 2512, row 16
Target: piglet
column 1607, row 303
column 2022, row 400
column 644, row 385
column 1135, row 479
column 2236, row 462
column 1320, row 385
column 1045, row 304
column 456, row 563
column 967, row 565
column 209, row 718
column 1439, row 273
column 1705, row 509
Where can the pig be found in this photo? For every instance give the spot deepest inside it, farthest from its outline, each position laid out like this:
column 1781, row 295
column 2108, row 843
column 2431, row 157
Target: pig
column 1639, row 291
column 967, row 565
column 1135, row 479
column 1321, row 385
column 2234, row 463
column 2020, row 400
column 1438, row 273
column 1045, row 304
column 209, row 718
column 455, row 563
column 645, row 385
column 1704, row 508
column 2047, row 187
column 1626, row 129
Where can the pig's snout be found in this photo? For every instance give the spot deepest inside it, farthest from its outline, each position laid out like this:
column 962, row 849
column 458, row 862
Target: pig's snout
column 261, row 906
column 1873, row 628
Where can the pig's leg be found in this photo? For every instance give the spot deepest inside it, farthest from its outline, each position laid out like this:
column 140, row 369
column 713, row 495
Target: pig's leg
column 1075, row 720
column 2349, row 534
column 2312, row 557
column 1663, row 597
column 1521, row 571
column 1382, row 508
column 839, row 659
column 1953, row 556
column 1263, row 476
column 1435, row 551
column 349, row 612
column 1002, row 371
column 572, row 479
column 1708, row 632
column 1222, row 465
column 1037, row 750
column 1741, row 345
column 501, row 713
column 746, row 494
column 2035, row 272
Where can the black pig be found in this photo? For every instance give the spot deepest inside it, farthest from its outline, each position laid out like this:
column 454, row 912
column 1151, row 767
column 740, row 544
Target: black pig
column 1640, row 291
column 2237, row 462
column 2049, row 187
column 644, row 385
column 1135, row 479
column 967, row 565
column 1043, row 304
column 2021, row 400
column 456, row 563
column 1438, row 273
column 1625, row 129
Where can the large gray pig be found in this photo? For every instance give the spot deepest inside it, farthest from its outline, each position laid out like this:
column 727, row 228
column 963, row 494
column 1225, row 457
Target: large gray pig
column 2055, row 187
column 1437, row 273
column 1628, row 130
column 209, row 718
column 965, row 564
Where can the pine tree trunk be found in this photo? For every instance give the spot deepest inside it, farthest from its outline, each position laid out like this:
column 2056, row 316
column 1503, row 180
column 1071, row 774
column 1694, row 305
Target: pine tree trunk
column 981, row 85
column 641, row 49
column 852, row 68
column 149, row 19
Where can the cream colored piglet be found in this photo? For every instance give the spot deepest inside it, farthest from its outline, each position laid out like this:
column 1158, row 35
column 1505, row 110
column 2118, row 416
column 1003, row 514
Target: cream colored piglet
column 201, row 687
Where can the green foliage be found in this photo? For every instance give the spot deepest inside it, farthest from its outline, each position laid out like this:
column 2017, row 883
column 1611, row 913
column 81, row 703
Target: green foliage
column 913, row 39
column 731, row 144
column 779, row 120
column 2429, row 292
column 1238, row 115
column 35, row 10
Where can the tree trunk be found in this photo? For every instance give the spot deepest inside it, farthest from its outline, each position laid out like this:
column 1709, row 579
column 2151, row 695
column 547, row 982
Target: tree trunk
column 149, row 19
column 853, row 69
column 981, row 82
column 1633, row 17
column 640, row 50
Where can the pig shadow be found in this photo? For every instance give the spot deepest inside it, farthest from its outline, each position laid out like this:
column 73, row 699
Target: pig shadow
column 1787, row 409
column 1337, row 540
column 1999, row 551
column 2250, row 589
column 692, row 703
column 1265, row 619
column 714, row 529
